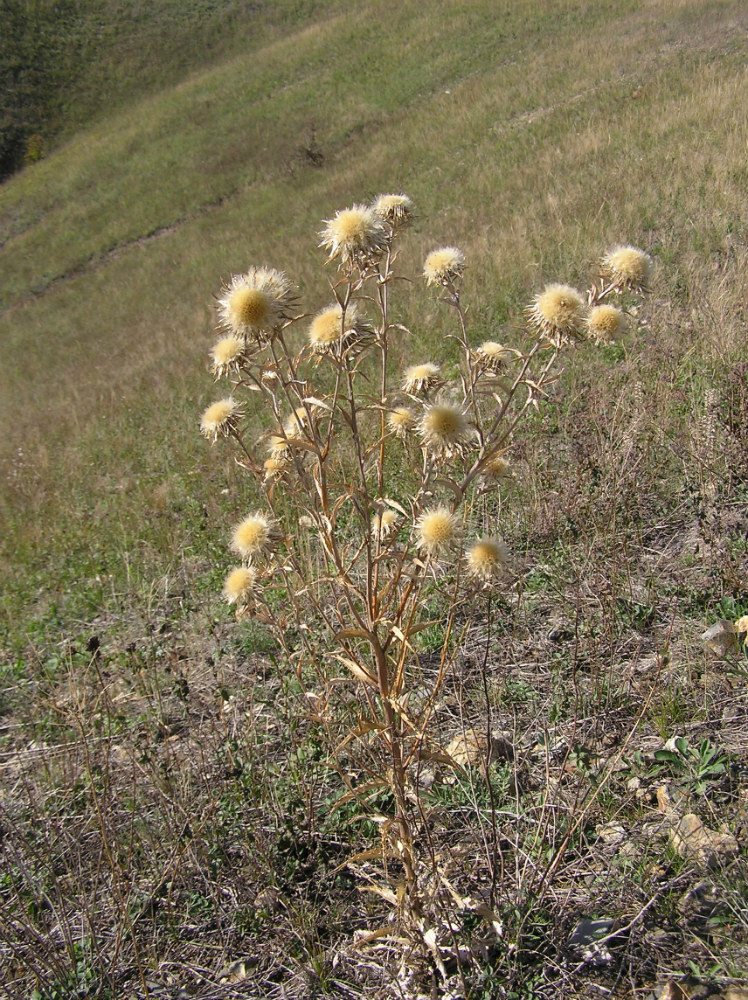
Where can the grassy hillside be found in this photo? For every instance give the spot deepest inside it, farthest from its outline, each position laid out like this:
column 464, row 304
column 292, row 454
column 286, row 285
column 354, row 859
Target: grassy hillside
column 67, row 63
column 533, row 137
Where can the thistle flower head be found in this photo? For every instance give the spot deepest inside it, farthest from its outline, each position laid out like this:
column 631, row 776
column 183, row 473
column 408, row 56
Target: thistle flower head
column 486, row 559
column 239, row 584
column 496, row 468
column 437, row 531
column 628, row 267
column 295, row 425
column 444, row 431
column 401, row 421
column 254, row 536
column 422, row 378
column 279, row 448
column 227, row 355
column 605, row 323
column 395, row 209
column 330, row 328
column 444, row 265
column 275, row 468
column 256, row 303
column 220, row 419
column 491, row 356
column 356, row 235
column 557, row 313
column 384, row 524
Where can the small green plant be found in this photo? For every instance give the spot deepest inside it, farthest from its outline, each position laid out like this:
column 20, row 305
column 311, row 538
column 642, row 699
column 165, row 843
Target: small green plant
column 375, row 522
column 696, row 767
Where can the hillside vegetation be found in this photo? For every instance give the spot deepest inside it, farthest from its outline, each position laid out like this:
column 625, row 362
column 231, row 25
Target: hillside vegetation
column 159, row 768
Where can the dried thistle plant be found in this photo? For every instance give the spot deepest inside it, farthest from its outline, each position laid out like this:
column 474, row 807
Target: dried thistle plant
column 376, row 486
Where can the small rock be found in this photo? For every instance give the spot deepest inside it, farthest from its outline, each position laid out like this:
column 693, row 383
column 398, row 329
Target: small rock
column 720, row 638
column 699, row 902
column 470, row 749
column 588, row 930
column 611, row 833
column 691, row 839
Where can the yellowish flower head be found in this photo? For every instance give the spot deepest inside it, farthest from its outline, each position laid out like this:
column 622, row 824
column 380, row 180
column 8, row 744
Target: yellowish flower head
column 256, row 303
column 558, row 312
column 444, row 431
column 239, row 584
column 297, row 423
column 384, row 524
column 220, row 419
column 254, row 536
column 491, row 356
column 330, row 329
column 437, row 531
column 274, row 468
column 396, row 209
column 356, row 235
column 401, row 421
column 227, row 355
column 605, row 323
column 628, row 267
column 444, row 265
column 278, row 448
column 741, row 626
column 422, row 378
column 487, row 559
column 496, row 468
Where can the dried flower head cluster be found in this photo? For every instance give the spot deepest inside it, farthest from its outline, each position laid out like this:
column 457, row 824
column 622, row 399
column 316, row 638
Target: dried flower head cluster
column 254, row 304
column 487, row 559
column 402, row 421
column 558, row 313
column 605, row 323
column 396, row 209
column 438, row 530
column 444, row 431
column 239, row 585
column 444, row 266
column 254, row 537
column 492, row 356
column 334, row 330
column 220, row 419
column 628, row 267
column 388, row 483
column 357, row 236
column 422, row 379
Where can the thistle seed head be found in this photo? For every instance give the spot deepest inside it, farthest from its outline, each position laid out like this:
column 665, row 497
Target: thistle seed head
column 487, row 559
column 444, row 431
column 256, row 303
column 254, row 536
column 239, row 584
column 422, row 379
column 356, row 235
column 401, row 421
column 444, row 265
column 558, row 313
column 628, row 267
column 605, row 323
column 438, row 531
column 220, row 419
column 228, row 354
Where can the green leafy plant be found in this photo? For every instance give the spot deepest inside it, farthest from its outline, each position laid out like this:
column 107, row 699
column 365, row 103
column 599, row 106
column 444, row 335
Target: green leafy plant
column 695, row 766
